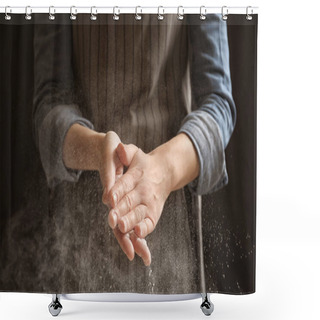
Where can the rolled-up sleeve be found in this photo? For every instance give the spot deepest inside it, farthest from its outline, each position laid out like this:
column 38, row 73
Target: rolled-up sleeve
column 54, row 105
column 212, row 120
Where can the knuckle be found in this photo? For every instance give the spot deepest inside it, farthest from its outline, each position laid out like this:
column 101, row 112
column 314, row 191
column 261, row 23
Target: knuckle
column 128, row 201
column 132, row 146
column 139, row 213
column 129, row 180
column 154, row 196
column 123, row 184
column 125, row 223
column 137, row 173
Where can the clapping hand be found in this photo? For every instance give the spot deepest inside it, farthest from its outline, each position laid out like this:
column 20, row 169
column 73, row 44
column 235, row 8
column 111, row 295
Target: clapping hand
column 137, row 198
column 111, row 170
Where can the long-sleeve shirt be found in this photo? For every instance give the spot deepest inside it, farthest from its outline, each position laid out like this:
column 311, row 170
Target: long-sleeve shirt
column 147, row 81
column 161, row 69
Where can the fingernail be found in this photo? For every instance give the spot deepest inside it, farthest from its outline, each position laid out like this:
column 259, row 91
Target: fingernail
column 147, row 263
column 114, row 216
column 112, row 219
column 115, row 198
column 131, row 258
column 128, row 256
column 123, row 225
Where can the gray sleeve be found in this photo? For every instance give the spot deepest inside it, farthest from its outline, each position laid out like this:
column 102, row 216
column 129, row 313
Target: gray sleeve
column 54, row 103
column 213, row 118
column 51, row 134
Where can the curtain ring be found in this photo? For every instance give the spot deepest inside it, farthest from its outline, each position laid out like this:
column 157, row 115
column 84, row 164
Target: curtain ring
column 137, row 16
column 73, row 13
column 203, row 13
column 116, row 14
column 224, row 13
column 28, row 13
column 249, row 16
column 93, row 16
column 52, row 12
column 160, row 16
column 180, row 14
column 7, row 12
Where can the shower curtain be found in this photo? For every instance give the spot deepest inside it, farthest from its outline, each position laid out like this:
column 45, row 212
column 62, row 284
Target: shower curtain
column 160, row 114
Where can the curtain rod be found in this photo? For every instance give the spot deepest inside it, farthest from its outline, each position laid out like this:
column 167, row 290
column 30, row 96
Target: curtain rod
column 28, row 10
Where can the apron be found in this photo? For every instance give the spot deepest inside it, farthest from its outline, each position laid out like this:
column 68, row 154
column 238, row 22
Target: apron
column 131, row 77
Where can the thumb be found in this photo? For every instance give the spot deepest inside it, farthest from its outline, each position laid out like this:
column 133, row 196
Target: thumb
column 126, row 153
column 108, row 174
column 108, row 179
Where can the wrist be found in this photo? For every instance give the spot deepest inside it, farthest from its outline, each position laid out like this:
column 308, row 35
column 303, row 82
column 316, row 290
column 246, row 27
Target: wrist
column 96, row 142
column 168, row 171
column 82, row 148
column 180, row 160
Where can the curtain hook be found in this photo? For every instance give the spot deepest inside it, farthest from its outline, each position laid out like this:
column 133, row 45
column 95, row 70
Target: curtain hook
column 249, row 16
column 93, row 16
column 116, row 14
column 180, row 14
column 224, row 13
column 160, row 16
column 137, row 16
column 28, row 13
column 203, row 13
column 73, row 13
column 52, row 12
column 7, row 12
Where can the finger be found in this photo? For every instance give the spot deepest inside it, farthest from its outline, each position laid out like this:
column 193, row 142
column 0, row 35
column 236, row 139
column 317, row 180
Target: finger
column 141, row 248
column 108, row 179
column 110, row 172
column 128, row 221
column 124, row 185
column 145, row 227
column 125, row 243
column 118, row 175
column 125, row 205
column 119, row 171
column 111, row 160
column 112, row 219
column 126, row 153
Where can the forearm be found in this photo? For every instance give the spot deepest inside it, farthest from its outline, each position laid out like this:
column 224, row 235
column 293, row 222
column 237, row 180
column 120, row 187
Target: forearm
column 180, row 158
column 82, row 148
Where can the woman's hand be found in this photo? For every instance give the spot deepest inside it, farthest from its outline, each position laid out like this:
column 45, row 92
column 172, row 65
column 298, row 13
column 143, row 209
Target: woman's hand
column 111, row 169
column 138, row 197
column 86, row 149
